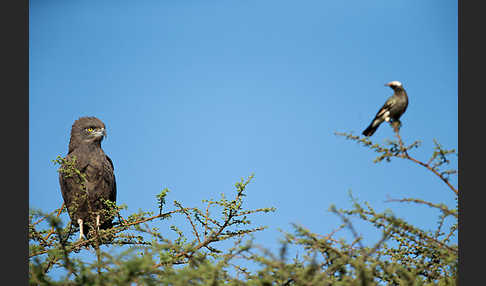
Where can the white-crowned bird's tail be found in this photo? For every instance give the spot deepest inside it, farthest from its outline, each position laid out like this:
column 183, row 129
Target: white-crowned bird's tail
column 370, row 130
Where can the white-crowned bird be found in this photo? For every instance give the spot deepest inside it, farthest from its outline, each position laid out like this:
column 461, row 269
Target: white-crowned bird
column 391, row 111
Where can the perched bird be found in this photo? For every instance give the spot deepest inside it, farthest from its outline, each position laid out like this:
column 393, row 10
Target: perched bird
column 391, row 111
column 84, row 191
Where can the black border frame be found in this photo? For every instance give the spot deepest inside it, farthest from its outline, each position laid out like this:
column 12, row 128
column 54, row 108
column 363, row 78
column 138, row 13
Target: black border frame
column 15, row 141
column 470, row 78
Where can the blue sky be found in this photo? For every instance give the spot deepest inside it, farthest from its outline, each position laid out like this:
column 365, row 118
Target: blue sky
column 198, row 94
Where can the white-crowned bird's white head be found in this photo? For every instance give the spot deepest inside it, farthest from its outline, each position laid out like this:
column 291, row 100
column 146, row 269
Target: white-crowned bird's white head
column 394, row 84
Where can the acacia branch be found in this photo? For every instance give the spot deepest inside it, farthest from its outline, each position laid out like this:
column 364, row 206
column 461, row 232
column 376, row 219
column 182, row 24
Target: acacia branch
column 430, row 168
column 52, row 229
column 211, row 238
column 438, row 206
column 190, row 221
column 113, row 230
column 214, row 235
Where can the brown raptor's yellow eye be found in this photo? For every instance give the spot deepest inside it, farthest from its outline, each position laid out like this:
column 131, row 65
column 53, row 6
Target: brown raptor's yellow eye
column 89, row 129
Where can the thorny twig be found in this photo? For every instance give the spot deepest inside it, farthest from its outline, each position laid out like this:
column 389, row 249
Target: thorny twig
column 404, row 154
